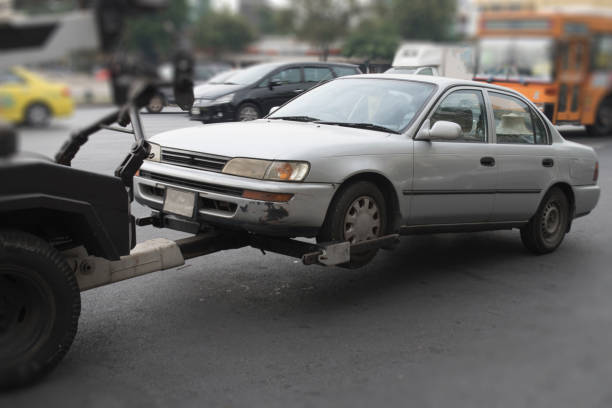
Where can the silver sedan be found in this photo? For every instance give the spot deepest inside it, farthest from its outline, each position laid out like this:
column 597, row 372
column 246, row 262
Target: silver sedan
column 360, row 157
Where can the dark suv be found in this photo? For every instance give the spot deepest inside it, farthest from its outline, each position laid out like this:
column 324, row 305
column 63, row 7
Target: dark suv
column 250, row 93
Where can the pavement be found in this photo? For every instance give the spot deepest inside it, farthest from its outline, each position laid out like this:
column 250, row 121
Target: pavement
column 464, row 320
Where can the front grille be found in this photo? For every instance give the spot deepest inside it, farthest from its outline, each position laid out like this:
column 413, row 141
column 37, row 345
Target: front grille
column 196, row 160
column 214, row 188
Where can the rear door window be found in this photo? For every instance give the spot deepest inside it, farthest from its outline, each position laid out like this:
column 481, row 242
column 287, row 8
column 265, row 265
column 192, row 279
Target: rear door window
column 344, row 71
column 317, row 74
column 515, row 122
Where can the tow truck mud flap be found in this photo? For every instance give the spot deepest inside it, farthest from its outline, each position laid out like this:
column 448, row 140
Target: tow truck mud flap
column 150, row 256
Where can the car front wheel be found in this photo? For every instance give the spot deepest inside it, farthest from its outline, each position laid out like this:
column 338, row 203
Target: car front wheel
column 156, row 104
column 546, row 230
column 357, row 214
column 38, row 115
column 248, row 111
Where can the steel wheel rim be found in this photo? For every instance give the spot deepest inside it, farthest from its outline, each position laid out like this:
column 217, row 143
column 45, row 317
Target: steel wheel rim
column 37, row 114
column 362, row 220
column 248, row 113
column 552, row 222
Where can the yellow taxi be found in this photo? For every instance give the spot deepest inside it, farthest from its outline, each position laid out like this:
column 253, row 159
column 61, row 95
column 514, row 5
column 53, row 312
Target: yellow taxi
column 28, row 98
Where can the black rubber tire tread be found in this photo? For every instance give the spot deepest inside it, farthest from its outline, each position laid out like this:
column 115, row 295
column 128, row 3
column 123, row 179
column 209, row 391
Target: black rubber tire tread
column 41, row 124
column 531, row 234
column 333, row 227
column 244, row 105
column 31, row 252
column 598, row 129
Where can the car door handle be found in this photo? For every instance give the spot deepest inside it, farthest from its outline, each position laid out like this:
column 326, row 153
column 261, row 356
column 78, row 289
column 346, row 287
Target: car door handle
column 548, row 162
column 487, row 161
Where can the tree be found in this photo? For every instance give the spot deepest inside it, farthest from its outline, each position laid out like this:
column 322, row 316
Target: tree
column 154, row 35
column 372, row 40
column 217, row 32
column 423, row 19
column 322, row 22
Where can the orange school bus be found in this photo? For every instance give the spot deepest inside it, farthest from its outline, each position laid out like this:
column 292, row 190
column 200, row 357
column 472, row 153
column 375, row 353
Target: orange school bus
column 562, row 62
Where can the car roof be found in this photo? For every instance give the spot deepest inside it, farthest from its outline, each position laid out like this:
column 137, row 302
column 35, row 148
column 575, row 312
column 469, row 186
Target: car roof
column 442, row 82
column 274, row 65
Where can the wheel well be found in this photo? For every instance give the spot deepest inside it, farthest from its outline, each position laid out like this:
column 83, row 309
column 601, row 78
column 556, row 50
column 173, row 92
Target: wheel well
column 61, row 229
column 386, row 187
column 38, row 102
column 569, row 193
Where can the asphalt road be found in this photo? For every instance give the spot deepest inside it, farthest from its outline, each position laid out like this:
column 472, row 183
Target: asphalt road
column 468, row 320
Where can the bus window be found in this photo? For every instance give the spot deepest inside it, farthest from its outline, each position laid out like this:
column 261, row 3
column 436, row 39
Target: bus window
column 602, row 53
column 517, row 58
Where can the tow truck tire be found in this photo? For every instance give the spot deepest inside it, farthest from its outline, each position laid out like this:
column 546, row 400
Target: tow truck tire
column 40, row 305
column 357, row 206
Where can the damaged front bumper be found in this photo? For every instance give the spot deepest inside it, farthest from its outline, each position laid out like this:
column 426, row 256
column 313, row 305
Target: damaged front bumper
column 220, row 202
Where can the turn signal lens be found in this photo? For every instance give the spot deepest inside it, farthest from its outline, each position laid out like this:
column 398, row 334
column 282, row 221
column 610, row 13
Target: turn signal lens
column 262, row 196
column 287, row 171
column 596, row 172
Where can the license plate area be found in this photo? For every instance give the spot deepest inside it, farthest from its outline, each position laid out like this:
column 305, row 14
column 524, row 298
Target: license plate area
column 179, row 202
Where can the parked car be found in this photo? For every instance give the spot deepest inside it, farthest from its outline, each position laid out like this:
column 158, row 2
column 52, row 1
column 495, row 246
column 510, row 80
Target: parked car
column 26, row 97
column 364, row 156
column 252, row 92
column 218, row 79
column 202, row 72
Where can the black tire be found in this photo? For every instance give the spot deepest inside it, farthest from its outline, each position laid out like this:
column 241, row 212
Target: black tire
column 37, row 115
column 40, row 305
column 156, row 104
column 547, row 228
column 335, row 227
column 247, row 111
column 603, row 120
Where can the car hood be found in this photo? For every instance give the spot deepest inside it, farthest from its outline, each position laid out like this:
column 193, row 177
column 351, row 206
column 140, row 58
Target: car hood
column 277, row 139
column 208, row 91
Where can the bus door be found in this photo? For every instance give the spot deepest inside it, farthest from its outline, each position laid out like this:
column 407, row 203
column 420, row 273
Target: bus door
column 572, row 69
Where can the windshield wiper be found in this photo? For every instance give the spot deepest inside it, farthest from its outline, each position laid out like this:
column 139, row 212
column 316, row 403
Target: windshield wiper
column 369, row 126
column 228, row 83
column 297, row 118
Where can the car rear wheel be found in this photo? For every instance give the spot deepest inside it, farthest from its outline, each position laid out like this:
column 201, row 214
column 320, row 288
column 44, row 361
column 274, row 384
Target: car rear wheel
column 156, row 104
column 38, row 115
column 546, row 230
column 39, row 308
column 603, row 121
column 357, row 213
column 248, row 111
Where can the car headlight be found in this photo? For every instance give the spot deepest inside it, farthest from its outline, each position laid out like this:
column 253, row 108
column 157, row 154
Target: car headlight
column 154, row 153
column 224, row 99
column 267, row 170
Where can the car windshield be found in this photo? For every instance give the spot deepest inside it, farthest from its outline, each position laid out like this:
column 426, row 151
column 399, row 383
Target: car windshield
column 222, row 77
column 376, row 104
column 394, row 70
column 517, row 59
column 250, row 75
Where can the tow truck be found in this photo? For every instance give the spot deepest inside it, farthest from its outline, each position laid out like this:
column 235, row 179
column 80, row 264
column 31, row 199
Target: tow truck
column 65, row 230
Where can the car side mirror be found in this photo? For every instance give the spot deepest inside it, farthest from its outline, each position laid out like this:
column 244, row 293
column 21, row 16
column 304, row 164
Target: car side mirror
column 273, row 109
column 442, row 130
column 272, row 84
